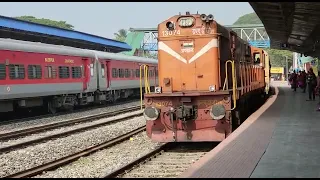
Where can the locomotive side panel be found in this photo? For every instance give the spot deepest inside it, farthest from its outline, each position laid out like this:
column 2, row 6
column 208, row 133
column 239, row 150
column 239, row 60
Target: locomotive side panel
column 225, row 55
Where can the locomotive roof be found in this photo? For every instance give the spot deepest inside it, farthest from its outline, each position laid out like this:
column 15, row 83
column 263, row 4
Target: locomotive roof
column 26, row 46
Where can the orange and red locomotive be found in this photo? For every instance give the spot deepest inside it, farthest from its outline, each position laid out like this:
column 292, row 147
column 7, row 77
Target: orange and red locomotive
column 210, row 81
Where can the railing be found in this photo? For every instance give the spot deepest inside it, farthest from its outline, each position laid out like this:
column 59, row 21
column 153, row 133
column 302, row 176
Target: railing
column 146, row 81
column 234, row 82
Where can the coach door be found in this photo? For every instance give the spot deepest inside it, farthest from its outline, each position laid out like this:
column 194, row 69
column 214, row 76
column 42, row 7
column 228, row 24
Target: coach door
column 105, row 72
column 85, row 72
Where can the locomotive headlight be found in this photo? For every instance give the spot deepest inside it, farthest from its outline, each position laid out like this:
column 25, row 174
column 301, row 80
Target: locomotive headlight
column 151, row 113
column 186, row 21
column 218, row 111
column 212, row 88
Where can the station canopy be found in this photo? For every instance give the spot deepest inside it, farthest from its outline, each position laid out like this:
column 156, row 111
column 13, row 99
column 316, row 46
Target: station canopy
column 28, row 31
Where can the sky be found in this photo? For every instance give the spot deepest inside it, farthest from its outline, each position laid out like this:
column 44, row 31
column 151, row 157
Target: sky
column 106, row 18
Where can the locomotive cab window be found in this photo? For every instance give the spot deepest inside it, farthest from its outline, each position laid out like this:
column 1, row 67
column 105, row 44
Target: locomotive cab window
column 16, row 71
column 257, row 58
column 3, row 73
column 34, row 72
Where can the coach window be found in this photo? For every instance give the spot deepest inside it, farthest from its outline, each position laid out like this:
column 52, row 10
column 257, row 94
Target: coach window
column 137, row 73
column 16, row 71
column 50, row 72
column 76, row 72
column 34, row 72
column 102, row 70
column 156, row 72
column 150, row 73
column 3, row 73
column 64, row 72
column 121, row 73
column 114, row 73
column 126, row 73
column 257, row 58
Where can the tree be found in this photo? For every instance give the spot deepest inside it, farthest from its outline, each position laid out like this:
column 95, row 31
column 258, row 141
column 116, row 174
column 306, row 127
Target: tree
column 121, row 35
column 251, row 18
column 59, row 24
column 277, row 57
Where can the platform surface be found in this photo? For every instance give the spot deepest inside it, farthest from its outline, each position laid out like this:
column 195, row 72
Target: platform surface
column 281, row 139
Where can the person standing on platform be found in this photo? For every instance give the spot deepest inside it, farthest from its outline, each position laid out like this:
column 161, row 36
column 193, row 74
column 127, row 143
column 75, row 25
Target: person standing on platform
column 299, row 80
column 294, row 79
column 303, row 81
column 318, row 89
column 312, row 83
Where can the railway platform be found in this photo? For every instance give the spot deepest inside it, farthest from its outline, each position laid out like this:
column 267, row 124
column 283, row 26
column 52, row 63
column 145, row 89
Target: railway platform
column 280, row 140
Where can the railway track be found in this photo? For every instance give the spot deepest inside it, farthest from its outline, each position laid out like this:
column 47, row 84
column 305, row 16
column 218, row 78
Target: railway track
column 47, row 115
column 168, row 160
column 38, row 129
column 67, row 159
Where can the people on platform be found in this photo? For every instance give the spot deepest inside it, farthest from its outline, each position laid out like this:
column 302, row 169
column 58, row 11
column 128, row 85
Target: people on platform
column 299, row 79
column 293, row 80
column 317, row 89
column 303, row 80
column 312, row 83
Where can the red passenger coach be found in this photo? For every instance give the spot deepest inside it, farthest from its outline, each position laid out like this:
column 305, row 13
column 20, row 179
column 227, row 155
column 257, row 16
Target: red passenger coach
column 36, row 74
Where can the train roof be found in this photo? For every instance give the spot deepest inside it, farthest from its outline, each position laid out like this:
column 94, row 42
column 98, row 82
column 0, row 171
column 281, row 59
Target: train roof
column 122, row 57
column 37, row 47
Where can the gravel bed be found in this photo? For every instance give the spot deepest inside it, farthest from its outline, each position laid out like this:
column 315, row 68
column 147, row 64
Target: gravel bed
column 63, row 129
column 42, row 121
column 26, row 158
column 105, row 161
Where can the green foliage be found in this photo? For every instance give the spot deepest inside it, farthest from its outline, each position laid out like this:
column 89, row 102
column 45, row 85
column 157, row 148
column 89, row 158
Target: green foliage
column 251, row 18
column 121, row 35
column 59, row 24
column 277, row 57
column 150, row 55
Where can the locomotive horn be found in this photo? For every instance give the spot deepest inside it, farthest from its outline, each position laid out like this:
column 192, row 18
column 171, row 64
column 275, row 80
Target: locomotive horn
column 210, row 17
column 203, row 17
